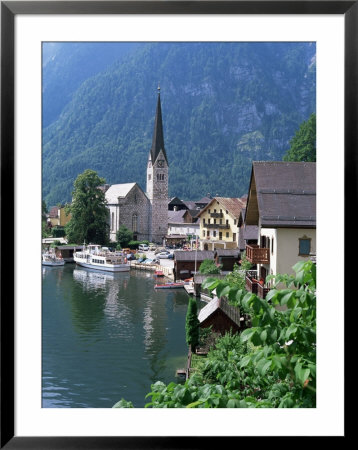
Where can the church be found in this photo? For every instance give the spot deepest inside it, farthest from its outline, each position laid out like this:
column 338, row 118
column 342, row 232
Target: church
column 144, row 213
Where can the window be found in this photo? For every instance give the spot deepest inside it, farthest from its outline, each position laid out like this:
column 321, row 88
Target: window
column 134, row 222
column 234, row 221
column 203, row 221
column 214, row 211
column 304, row 246
column 221, row 221
column 208, row 220
column 220, row 235
column 272, row 247
column 203, row 233
column 227, row 234
column 209, row 211
column 112, row 225
column 234, row 237
column 214, row 233
column 227, row 222
column 214, row 221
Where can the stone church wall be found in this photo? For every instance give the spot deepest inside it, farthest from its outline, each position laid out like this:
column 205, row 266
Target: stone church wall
column 136, row 204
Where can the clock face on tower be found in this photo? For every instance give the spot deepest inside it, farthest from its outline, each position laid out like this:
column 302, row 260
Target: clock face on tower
column 160, row 163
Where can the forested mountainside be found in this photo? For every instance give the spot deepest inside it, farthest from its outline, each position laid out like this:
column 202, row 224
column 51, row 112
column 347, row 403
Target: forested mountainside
column 224, row 105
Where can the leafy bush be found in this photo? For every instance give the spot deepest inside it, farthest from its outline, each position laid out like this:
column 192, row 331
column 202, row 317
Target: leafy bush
column 58, row 231
column 270, row 365
column 208, row 266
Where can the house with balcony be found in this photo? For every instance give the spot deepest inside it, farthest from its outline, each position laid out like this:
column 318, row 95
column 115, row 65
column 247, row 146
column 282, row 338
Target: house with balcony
column 219, row 223
column 282, row 204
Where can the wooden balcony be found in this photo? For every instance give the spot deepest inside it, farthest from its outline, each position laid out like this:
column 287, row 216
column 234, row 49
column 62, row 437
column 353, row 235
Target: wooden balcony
column 257, row 255
column 254, row 286
column 262, row 291
column 222, row 226
column 217, row 215
column 251, row 281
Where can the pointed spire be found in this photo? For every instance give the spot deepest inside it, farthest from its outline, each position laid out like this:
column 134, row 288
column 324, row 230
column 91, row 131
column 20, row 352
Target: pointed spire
column 158, row 137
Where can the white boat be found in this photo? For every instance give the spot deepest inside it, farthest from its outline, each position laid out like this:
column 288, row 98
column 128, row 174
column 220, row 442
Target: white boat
column 51, row 259
column 95, row 257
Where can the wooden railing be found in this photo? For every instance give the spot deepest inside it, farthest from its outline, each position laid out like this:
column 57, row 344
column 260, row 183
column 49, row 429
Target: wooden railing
column 220, row 215
column 257, row 255
column 251, row 285
column 262, row 291
column 224, row 226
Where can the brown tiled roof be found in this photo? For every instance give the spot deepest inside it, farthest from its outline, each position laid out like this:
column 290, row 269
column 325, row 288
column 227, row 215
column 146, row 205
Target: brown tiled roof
column 286, row 193
column 220, row 303
column 233, row 205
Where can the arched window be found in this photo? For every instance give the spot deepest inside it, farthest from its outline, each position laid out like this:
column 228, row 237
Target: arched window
column 134, row 223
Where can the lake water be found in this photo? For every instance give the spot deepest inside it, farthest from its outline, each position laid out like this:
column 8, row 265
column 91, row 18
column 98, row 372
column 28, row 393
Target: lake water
column 108, row 336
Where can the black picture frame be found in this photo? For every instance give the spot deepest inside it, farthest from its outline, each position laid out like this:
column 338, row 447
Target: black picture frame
column 9, row 9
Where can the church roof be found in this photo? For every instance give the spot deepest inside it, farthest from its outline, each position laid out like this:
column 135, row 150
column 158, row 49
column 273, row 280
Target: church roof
column 118, row 190
column 158, row 136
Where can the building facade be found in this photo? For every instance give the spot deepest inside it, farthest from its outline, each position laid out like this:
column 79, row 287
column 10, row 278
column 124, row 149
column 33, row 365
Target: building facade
column 219, row 223
column 282, row 205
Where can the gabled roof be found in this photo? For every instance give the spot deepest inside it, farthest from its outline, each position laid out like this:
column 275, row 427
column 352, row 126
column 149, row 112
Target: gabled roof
column 158, row 136
column 176, row 201
column 204, row 201
column 118, row 190
column 231, row 204
column 282, row 194
column 231, row 312
column 189, row 204
column 176, row 216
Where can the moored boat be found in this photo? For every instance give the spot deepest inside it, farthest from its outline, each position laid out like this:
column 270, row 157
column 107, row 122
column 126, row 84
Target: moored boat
column 158, row 273
column 169, row 285
column 51, row 259
column 96, row 257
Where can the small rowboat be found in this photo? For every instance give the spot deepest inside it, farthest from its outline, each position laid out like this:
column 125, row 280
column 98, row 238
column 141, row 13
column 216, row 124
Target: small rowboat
column 158, row 273
column 169, row 286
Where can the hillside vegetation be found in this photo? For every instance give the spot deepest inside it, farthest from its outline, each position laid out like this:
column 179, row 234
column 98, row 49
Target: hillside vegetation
column 224, row 105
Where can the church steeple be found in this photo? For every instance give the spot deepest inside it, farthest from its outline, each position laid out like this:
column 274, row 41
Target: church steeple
column 158, row 136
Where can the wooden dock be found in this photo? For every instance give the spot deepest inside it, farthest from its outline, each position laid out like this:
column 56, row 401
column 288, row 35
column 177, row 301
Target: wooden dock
column 189, row 288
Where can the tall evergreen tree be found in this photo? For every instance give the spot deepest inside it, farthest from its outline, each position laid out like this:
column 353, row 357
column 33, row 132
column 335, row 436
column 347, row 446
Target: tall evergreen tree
column 89, row 221
column 303, row 143
column 192, row 324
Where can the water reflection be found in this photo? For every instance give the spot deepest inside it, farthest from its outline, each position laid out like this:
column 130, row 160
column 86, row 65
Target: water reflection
column 108, row 336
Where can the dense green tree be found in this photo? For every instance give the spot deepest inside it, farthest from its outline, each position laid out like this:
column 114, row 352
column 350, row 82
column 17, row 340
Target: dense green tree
column 124, row 236
column 44, row 227
column 208, row 266
column 89, row 213
column 192, row 324
column 303, row 144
